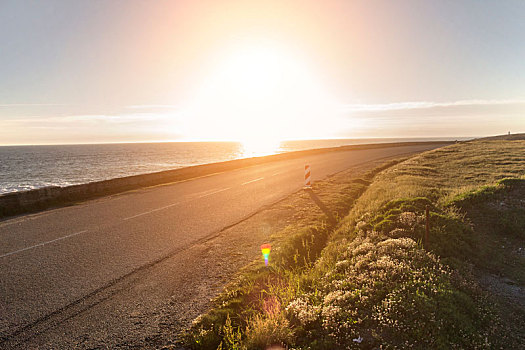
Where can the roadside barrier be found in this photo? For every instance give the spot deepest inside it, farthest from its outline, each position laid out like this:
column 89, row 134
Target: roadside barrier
column 307, row 177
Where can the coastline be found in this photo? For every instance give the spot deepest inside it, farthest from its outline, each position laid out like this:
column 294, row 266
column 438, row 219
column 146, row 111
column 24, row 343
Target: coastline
column 16, row 203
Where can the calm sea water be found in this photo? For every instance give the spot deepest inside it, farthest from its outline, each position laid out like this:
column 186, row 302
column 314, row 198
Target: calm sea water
column 28, row 167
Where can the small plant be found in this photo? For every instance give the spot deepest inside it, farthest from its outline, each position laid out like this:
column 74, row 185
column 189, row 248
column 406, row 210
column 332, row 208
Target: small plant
column 231, row 339
column 270, row 329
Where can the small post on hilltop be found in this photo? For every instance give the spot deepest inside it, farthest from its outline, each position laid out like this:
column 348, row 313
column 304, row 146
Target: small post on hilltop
column 427, row 227
column 307, row 177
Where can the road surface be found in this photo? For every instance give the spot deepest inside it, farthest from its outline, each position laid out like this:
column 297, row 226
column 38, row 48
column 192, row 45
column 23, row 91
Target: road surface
column 55, row 259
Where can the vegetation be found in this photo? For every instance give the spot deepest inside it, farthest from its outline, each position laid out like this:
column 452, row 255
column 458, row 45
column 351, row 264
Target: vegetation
column 367, row 281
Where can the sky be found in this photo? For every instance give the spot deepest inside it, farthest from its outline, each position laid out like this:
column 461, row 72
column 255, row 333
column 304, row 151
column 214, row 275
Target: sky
column 135, row 71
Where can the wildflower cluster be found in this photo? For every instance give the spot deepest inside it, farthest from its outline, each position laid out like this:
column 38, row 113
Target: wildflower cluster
column 389, row 292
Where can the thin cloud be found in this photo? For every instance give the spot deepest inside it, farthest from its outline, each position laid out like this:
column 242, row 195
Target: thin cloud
column 425, row 105
column 31, row 104
column 71, row 119
column 153, row 107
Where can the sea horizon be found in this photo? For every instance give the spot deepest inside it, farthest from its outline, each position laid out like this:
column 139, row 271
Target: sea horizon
column 415, row 138
column 27, row 167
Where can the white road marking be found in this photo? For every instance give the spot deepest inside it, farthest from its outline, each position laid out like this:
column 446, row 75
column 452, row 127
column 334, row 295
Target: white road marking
column 42, row 244
column 151, row 211
column 249, row 182
column 207, row 193
column 198, row 194
column 218, row 191
column 279, row 173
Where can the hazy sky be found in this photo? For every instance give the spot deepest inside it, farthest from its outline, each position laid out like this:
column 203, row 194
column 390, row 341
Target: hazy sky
column 111, row 71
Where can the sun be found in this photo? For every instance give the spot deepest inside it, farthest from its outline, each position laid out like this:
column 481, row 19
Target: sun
column 257, row 95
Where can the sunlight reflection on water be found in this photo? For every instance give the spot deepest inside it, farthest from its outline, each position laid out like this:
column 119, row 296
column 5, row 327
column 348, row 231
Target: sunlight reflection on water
column 257, row 148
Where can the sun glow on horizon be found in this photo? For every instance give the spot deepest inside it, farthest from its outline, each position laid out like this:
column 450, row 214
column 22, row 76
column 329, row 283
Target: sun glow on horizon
column 259, row 96
column 255, row 148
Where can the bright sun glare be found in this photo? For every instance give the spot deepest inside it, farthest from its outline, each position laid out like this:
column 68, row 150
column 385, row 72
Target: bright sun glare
column 258, row 96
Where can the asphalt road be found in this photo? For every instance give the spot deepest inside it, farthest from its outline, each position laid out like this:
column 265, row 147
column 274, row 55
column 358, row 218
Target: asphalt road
column 53, row 259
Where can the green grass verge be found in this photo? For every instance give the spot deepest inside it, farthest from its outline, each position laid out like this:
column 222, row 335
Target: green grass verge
column 371, row 283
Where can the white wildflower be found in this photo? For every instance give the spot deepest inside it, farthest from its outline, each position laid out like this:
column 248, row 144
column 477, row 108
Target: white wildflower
column 358, row 340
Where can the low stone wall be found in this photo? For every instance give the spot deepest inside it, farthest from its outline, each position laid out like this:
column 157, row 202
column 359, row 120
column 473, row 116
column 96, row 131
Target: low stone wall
column 39, row 199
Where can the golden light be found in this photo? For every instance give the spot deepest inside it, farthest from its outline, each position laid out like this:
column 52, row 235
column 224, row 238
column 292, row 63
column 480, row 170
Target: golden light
column 258, row 95
column 260, row 147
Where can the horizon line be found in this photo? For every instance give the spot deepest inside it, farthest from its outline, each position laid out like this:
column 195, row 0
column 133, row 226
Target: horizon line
column 237, row 141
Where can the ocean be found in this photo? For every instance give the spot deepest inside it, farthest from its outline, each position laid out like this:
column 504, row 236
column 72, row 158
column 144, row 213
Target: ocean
column 29, row 167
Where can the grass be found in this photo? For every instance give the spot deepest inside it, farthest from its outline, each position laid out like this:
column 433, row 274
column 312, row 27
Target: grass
column 367, row 281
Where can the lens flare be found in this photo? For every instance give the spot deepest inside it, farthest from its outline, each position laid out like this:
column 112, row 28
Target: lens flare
column 265, row 249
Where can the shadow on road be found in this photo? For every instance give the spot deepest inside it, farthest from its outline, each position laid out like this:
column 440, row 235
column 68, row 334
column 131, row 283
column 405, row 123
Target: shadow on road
column 321, row 205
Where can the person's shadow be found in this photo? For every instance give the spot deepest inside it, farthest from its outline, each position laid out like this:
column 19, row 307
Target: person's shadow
column 321, row 206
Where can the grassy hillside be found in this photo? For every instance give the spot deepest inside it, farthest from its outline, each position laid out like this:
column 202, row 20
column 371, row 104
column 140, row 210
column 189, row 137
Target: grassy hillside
column 368, row 281
column 507, row 137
